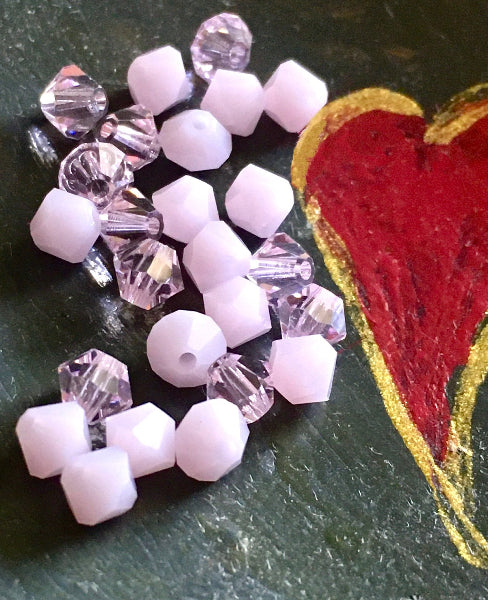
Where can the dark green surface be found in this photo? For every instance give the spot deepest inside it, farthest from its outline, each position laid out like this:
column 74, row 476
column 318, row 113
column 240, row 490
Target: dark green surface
column 328, row 502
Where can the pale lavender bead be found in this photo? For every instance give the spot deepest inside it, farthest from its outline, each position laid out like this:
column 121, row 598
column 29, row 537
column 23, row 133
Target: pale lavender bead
column 157, row 79
column 211, row 439
column 187, row 205
column 65, row 225
column 302, row 368
column 215, row 255
column 182, row 345
column 240, row 308
column 51, row 435
column 147, row 434
column 236, row 100
column 99, row 485
column 258, row 200
column 195, row 140
column 293, row 95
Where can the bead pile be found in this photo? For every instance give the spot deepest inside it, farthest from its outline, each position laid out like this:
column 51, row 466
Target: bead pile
column 185, row 348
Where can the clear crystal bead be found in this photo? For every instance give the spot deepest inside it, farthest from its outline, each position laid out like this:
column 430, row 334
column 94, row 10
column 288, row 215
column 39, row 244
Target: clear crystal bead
column 281, row 266
column 97, row 171
column 148, row 273
column 133, row 131
column 313, row 310
column 73, row 102
column 243, row 381
column 98, row 382
column 222, row 42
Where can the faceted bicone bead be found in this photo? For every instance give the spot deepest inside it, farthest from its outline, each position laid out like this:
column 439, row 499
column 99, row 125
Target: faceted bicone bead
column 281, row 266
column 99, row 485
column 65, row 225
column 195, row 140
column 211, row 439
column 97, row 171
column 98, row 382
column 157, row 79
column 133, row 131
column 129, row 215
column 240, row 309
column 50, row 436
column 148, row 273
column 147, row 434
column 313, row 310
column 73, row 102
column 259, row 200
column 222, row 42
column 293, row 95
column 244, row 381
column 187, row 205
column 236, row 100
column 302, row 368
column 215, row 255
column 182, row 345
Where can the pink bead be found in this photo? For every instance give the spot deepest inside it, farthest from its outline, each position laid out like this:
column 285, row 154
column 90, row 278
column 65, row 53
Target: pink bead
column 211, row 439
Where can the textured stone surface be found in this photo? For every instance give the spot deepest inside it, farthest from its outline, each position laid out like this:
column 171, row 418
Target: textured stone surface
column 240, row 309
column 302, row 368
column 195, row 140
column 293, row 95
column 157, row 79
column 65, row 225
column 236, row 100
column 51, row 435
column 215, row 255
column 99, row 485
column 147, row 434
column 182, row 345
column 211, row 439
column 187, row 205
column 258, row 200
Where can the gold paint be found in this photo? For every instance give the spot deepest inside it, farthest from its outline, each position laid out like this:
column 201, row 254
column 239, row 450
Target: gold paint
column 452, row 483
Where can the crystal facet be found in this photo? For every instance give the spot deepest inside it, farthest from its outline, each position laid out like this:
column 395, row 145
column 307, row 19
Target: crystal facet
column 210, row 440
column 281, row 266
column 99, row 485
column 187, row 205
column 147, row 434
column 195, row 140
column 73, row 102
column 236, row 100
column 133, row 131
column 97, row 171
column 313, row 310
column 182, row 345
column 258, row 200
column 65, row 226
column 302, row 368
column 51, row 435
column 244, row 381
column 148, row 273
column 222, row 42
column 98, row 382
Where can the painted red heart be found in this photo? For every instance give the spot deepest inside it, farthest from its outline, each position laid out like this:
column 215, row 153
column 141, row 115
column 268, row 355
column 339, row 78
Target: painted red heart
column 402, row 223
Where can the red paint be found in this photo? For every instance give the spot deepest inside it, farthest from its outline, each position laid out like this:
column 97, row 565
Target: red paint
column 414, row 218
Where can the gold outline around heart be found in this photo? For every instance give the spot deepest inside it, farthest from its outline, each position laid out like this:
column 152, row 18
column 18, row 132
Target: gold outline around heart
column 451, row 483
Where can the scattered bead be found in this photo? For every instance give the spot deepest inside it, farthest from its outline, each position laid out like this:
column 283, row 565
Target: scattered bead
column 187, row 205
column 182, row 345
column 210, row 440
column 65, row 226
column 147, row 434
column 157, row 79
column 195, row 140
column 51, row 435
column 99, row 485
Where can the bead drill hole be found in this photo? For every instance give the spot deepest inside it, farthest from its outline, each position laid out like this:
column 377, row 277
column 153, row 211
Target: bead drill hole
column 188, row 360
